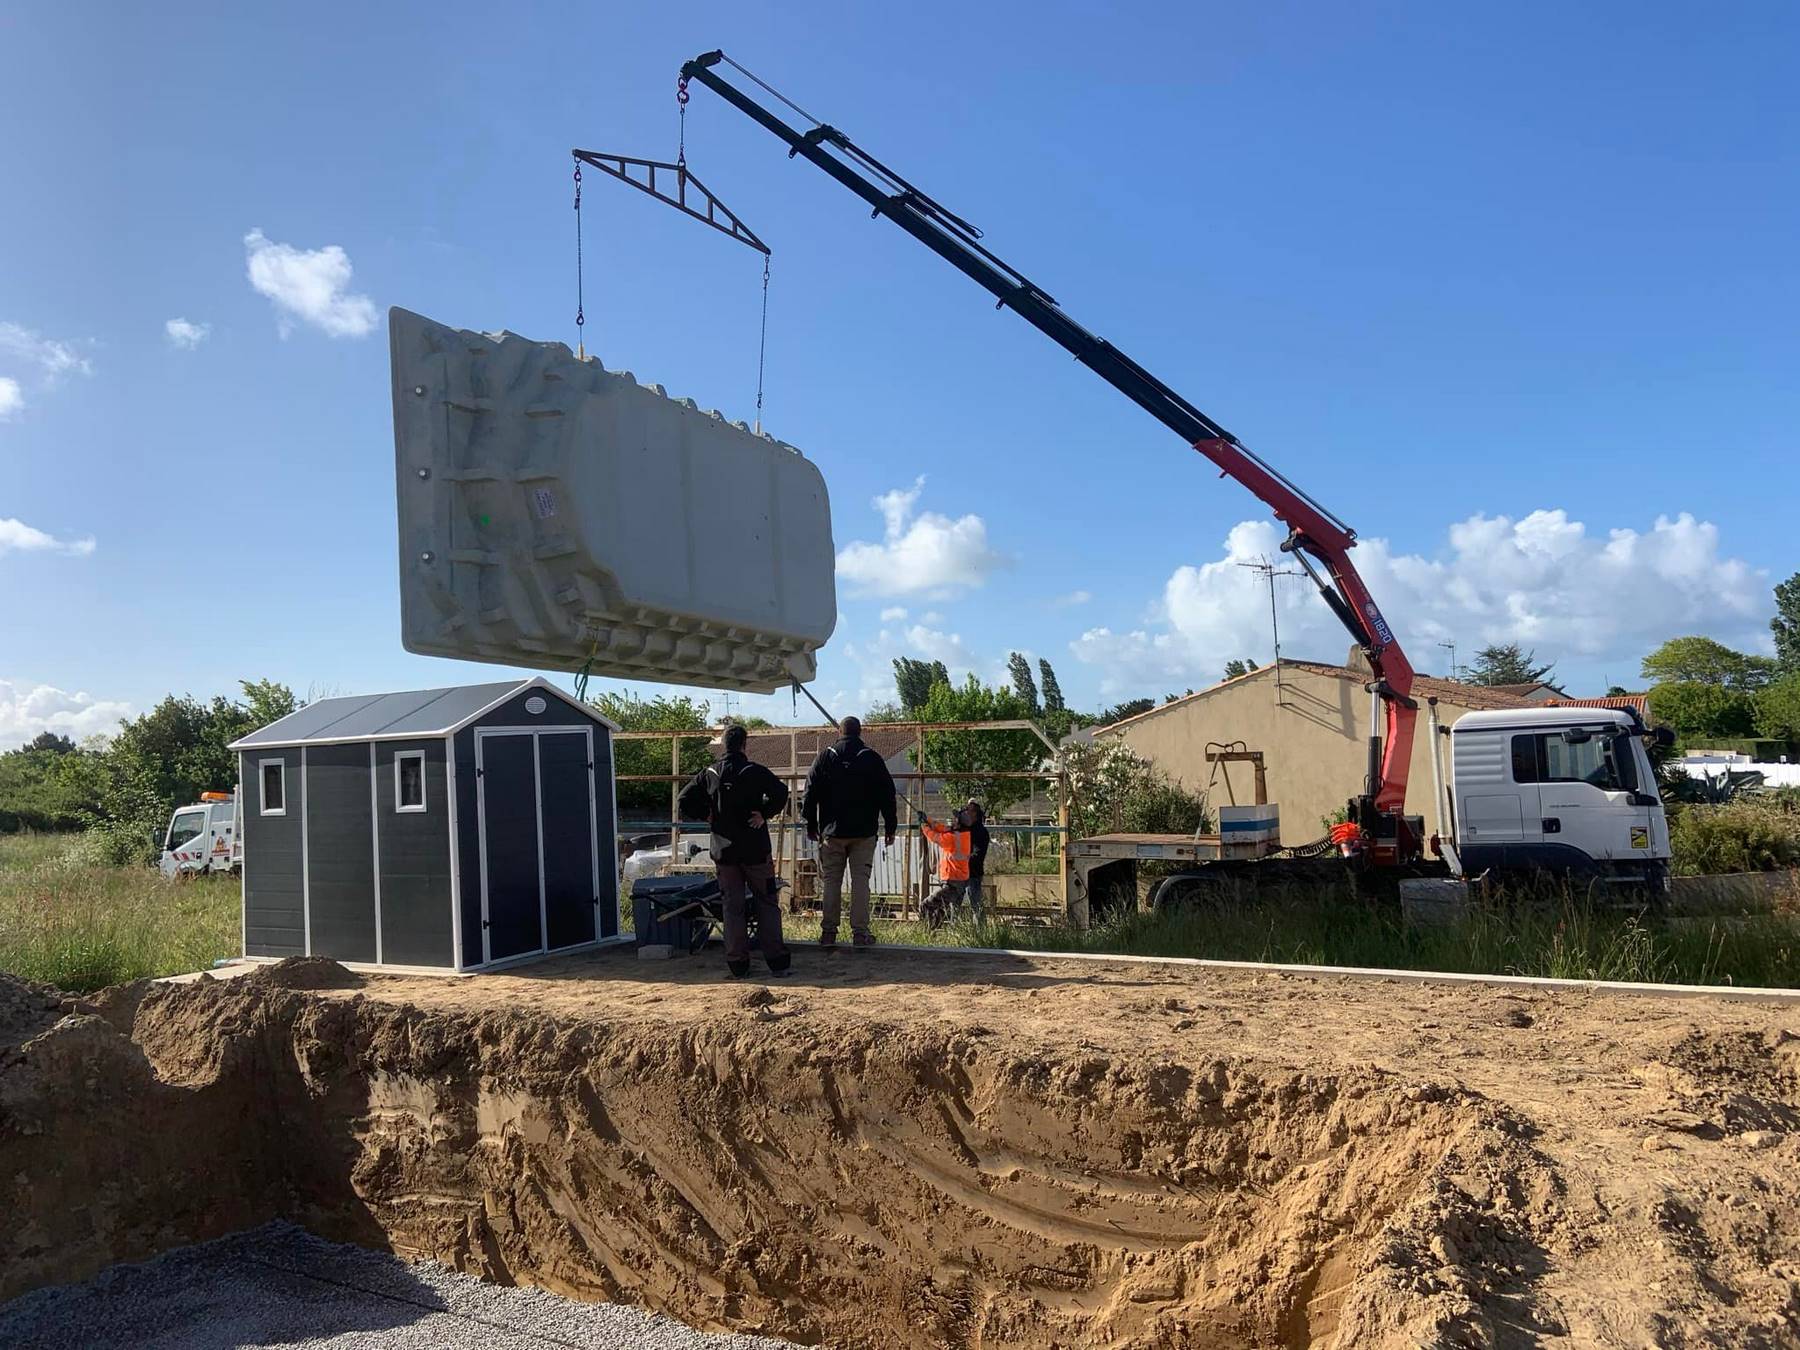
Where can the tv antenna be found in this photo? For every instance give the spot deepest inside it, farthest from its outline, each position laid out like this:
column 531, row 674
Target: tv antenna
column 1269, row 572
column 1453, row 666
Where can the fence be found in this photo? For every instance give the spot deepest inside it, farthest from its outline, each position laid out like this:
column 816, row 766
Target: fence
column 1029, row 835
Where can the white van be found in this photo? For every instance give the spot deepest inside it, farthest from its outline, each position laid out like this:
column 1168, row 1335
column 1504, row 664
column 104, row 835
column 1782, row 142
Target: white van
column 204, row 837
column 1567, row 790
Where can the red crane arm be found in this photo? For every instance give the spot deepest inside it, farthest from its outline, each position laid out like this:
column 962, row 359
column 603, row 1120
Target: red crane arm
column 1314, row 534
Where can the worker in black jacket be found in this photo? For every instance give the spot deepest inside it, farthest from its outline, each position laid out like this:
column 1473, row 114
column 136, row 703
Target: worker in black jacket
column 736, row 797
column 849, row 793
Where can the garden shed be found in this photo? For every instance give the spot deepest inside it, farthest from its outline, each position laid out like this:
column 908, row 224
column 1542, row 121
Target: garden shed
column 447, row 829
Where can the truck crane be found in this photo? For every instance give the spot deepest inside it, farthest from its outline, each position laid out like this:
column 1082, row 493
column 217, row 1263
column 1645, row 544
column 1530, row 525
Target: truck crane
column 1385, row 836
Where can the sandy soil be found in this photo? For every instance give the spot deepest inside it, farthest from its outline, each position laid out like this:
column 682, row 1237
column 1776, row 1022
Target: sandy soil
column 930, row 1149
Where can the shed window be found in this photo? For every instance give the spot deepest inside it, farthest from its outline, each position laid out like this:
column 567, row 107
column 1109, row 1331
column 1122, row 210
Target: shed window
column 409, row 781
column 274, row 787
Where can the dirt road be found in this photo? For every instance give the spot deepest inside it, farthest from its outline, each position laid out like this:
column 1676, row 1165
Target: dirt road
column 946, row 1150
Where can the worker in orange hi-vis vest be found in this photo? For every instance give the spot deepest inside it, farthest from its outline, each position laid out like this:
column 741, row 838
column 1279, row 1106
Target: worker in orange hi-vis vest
column 962, row 842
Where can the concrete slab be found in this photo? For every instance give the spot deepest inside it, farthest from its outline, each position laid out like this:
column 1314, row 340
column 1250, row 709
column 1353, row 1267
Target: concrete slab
column 279, row 1286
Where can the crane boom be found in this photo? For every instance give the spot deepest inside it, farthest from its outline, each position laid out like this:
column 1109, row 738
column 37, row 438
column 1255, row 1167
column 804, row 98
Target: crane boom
column 1316, row 537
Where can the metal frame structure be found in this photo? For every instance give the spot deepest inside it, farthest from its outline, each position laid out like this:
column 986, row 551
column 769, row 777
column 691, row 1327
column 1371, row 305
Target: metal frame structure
column 1319, row 541
column 621, row 166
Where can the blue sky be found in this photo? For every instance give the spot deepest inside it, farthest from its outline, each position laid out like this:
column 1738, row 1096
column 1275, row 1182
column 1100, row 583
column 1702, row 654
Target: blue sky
column 1505, row 287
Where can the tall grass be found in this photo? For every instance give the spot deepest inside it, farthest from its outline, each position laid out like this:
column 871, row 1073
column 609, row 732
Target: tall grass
column 69, row 920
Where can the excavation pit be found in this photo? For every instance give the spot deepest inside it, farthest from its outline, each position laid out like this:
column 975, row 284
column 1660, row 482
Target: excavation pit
column 884, row 1150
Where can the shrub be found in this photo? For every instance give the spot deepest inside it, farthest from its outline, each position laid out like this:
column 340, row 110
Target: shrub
column 1113, row 789
column 1743, row 836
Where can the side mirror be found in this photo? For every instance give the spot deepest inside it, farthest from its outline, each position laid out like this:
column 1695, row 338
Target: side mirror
column 1662, row 736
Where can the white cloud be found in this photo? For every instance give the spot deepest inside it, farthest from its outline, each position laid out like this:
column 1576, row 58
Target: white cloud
column 27, row 710
column 1072, row 599
column 11, row 397
column 871, row 679
column 185, row 335
column 18, row 537
column 52, row 357
column 311, row 285
column 920, row 554
column 1579, row 599
column 893, row 614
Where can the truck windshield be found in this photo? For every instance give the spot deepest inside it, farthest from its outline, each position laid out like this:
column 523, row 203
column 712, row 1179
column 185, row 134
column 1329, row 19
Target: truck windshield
column 186, row 825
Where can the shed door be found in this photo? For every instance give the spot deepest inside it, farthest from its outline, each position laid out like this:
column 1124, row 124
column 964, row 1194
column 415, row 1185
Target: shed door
column 566, row 786
column 511, row 876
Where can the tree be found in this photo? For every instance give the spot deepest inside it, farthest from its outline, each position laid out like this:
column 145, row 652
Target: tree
column 1700, row 660
column 914, row 680
column 1170, row 698
column 1507, row 663
column 1233, row 669
column 1616, row 691
column 1778, row 709
column 980, row 752
column 1131, row 707
column 1786, row 624
column 1694, row 710
column 665, row 712
column 1022, row 683
column 1053, row 695
column 51, row 743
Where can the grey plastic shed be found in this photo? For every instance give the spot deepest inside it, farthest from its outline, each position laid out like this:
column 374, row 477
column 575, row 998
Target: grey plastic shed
column 447, row 829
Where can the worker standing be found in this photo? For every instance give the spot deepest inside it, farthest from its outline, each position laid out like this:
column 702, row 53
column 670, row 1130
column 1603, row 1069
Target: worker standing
column 736, row 796
column 962, row 843
column 849, row 794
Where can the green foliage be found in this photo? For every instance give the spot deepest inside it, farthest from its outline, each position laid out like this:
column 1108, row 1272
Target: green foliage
column 48, row 789
column 1700, row 660
column 1053, row 695
column 1022, row 683
column 1778, row 708
column 1786, row 625
column 913, row 681
column 980, row 752
column 665, row 712
column 1235, row 668
column 1694, row 710
column 1131, row 707
column 1507, row 663
column 1112, row 790
column 1742, row 836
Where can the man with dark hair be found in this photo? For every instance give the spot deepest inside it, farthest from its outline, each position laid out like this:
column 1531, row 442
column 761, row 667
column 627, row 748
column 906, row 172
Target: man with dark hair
column 848, row 794
column 736, row 797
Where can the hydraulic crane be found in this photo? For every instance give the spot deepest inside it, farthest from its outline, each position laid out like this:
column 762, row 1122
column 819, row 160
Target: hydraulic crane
column 1317, row 539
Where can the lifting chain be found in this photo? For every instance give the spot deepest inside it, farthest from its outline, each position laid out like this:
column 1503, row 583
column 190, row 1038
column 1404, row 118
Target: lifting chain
column 681, row 102
column 580, row 299
column 762, row 344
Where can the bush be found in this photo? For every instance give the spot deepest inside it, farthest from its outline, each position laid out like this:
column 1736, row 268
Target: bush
column 1112, row 789
column 1745, row 836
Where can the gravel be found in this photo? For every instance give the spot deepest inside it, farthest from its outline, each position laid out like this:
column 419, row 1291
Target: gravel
column 281, row 1286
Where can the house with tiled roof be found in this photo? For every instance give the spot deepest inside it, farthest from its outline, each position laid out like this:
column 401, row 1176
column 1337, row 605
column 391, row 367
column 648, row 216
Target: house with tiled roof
column 1311, row 721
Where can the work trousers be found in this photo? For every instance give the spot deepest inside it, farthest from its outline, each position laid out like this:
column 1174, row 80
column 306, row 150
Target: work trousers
column 742, row 885
column 835, row 855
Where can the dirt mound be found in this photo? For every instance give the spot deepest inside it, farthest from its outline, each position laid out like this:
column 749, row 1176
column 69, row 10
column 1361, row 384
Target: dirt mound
column 308, row 972
column 26, row 1009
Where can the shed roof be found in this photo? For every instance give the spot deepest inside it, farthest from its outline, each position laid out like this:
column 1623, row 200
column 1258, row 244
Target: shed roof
column 399, row 716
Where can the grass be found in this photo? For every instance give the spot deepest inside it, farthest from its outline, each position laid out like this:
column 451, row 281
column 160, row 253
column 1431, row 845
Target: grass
column 1565, row 938
column 82, row 926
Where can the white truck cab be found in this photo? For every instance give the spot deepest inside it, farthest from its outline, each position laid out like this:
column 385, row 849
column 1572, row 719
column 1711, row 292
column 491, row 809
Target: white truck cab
column 1564, row 790
column 204, row 837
